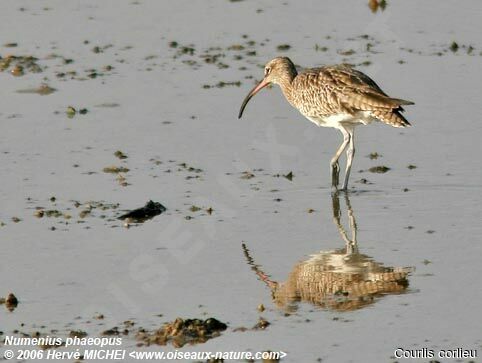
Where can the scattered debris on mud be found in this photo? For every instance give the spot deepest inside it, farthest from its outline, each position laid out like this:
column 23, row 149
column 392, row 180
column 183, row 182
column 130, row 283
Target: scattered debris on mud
column 115, row 169
column 247, row 175
column 379, row 169
column 454, row 47
column 288, row 176
column 140, row 215
column 43, row 90
column 71, row 111
column 18, row 65
column 374, row 5
column 65, row 215
column 182, row 331
column 363, row 181
column 262, row 324
column 77, row 333
column 222, row 84
column 120, row 155
column 10, row 301
column 283, row 47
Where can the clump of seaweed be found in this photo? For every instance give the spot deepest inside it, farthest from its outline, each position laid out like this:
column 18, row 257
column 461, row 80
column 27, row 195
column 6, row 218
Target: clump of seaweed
column 183, row 331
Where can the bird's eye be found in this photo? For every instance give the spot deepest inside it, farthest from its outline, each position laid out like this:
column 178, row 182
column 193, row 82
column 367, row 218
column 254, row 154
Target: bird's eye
column 267, row 70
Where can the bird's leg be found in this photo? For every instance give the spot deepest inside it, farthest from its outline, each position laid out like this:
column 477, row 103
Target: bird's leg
column 335, row 167
column 335, row 172
column 350, row 153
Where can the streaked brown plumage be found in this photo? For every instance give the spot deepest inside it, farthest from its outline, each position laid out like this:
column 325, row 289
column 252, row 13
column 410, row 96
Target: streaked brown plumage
column 333, row 96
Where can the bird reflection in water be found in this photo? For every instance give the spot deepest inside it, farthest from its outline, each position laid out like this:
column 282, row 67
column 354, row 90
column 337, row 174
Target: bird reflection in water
column 343, row 279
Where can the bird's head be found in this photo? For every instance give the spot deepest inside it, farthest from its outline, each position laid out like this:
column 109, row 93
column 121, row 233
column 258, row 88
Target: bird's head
column 277, row 71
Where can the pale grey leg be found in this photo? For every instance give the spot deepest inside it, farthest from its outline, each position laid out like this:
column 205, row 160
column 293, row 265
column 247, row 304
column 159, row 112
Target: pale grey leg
column 350, row 153
column 335, row 167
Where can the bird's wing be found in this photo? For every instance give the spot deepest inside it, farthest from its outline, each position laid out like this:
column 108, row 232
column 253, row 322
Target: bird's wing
column 354, row 90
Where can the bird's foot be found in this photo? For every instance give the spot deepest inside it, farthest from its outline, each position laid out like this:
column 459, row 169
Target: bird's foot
column 345, row 182
column 335, row 173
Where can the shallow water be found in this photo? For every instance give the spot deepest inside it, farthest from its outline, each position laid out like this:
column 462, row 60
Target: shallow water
column 153, row 107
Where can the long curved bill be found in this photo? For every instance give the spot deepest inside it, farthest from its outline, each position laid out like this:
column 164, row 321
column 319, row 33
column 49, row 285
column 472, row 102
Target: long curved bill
column 255, row 90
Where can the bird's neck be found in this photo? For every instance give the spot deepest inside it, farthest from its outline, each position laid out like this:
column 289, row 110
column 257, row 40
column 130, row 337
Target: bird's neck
column 286, row 84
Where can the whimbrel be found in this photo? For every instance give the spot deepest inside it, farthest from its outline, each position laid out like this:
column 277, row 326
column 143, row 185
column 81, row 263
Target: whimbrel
column 333, row 96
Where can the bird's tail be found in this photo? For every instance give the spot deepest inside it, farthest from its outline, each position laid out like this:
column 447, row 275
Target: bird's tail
column 391, row 117
column 399, row 101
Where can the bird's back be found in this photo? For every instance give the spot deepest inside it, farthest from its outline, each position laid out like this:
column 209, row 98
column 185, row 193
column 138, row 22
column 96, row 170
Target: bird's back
column 340, row 89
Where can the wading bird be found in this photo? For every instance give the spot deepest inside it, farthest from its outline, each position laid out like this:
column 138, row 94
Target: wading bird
column 333, row 96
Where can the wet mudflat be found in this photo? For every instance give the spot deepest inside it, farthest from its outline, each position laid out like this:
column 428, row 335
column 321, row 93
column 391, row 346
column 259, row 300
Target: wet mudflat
column 107, row 105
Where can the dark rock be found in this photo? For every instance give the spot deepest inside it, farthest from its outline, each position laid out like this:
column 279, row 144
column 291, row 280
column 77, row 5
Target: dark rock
column 150, row 210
